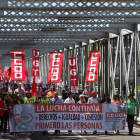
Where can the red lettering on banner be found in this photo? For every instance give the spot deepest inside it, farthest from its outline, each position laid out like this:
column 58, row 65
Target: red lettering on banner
column 92, row 69
column 82, row 108
column 87, row 125
column 55, row 67
column 47, row 125
column 17, row 65
column 113, row 115
column 67, row 125
column 73, row 74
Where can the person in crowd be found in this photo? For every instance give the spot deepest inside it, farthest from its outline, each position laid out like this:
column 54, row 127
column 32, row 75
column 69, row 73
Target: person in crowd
column 81, row 101
column 15, row 86
column 116, row 100
column 94, row 99
column 70, row 100
column 11, row 90
column 48, row 86
column 39, row 91
column 87, row 92
column 0, row 95
column 5, row 88
column 65, row 93
column 54, row 87
column 20, row 92
column 51, row 93
column 28, row 86
column 132, row 104
column 29, row 99
column 4, row 113
column 76, row 96
column 106, row 100
column 14, row 102
column 56, row 100
column 44, row 100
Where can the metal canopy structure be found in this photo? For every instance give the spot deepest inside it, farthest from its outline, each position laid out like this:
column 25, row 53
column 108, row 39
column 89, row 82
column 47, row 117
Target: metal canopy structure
column 75, row 27
column 51, row 25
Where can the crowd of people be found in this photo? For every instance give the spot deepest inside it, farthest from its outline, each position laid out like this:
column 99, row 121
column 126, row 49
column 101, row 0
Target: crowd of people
column 20, row 93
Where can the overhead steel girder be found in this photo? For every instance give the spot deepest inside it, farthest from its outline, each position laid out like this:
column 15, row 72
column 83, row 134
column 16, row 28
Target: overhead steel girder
column 56, row 20
column 57, row 25
column 55, row 40
column 84, row 31
column 7, row 8
column 70, row 13
column 23, row 37
column 78, row 29
column 70, row 3
column 42, row 41
column 56, row 34
column 34, row 21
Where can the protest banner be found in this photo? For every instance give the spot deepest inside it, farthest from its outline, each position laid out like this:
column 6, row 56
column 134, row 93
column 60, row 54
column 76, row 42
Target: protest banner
column 35, row 64
column 55, row 67
column 92, row 69
column 17, row 65
column 39, row 117
column 73, row 74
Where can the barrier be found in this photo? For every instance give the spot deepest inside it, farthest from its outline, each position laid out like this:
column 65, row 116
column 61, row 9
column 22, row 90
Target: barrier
column 39, row 117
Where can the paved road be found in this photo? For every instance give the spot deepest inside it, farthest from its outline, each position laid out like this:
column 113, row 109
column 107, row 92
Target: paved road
column 75, row 136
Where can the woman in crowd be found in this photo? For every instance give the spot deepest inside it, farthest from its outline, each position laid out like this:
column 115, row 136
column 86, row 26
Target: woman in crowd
column 4, row 113
column 117, row 100
column 81, row 101
column 106, row 100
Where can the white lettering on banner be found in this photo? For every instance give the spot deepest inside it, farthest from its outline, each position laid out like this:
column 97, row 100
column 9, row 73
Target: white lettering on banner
column 17, row 58
column 18, row 69
column 54, row 61
column 92, row 55
column 67, row 117
column 36, row 63
column 36, row 55
column 18, row 75
column 73, row 81
column 55, row 71
column 73, row 72
column 55, row 54
column 92, row 67
column 35, row 72
column 72, row 64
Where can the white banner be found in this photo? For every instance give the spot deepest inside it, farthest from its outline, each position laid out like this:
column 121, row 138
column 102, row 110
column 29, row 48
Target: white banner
column 39, row 117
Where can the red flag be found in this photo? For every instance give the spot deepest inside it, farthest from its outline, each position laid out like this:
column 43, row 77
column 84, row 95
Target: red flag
column 73, row 74
column 55, row 67
column 92, row 69
column 34, row 89
column 35, row 63
column 17, row 65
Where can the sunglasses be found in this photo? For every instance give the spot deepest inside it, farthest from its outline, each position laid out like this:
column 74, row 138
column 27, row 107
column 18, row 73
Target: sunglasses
column 81, row 97
column 43, row 95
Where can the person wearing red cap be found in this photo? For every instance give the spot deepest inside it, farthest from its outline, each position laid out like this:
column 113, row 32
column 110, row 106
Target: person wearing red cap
column 94, row 99
column 87, row 92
